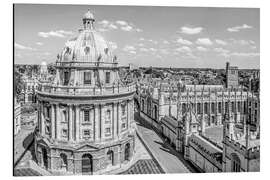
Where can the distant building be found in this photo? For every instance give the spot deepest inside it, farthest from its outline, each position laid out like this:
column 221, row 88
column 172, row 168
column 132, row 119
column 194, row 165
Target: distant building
column 195, row 120
column 29, row 90
column 231, row 76
column 17, row 117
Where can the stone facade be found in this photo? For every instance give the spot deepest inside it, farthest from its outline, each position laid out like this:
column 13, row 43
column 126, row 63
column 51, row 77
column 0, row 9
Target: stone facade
column 86, row 115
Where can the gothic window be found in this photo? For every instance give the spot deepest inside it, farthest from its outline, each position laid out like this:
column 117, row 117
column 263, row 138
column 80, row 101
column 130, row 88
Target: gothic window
column 233, row 106
column 239, row 106
column 142, row 105
column 107, row 77
column 219, row 107
column 87, row 77
column 86, row 114
column 205, row 108
column 199, row 108
column 212, row 108
column 236, row 163
column 123, row 125
column 226, row 106
column 183, row 108
column 47, row 130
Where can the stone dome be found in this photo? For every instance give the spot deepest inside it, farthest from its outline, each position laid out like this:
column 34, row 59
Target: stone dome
column 88, row 46
column 88, row 15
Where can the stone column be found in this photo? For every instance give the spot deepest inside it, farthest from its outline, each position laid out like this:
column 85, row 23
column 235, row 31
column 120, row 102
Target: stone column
column 97, row 123
column 115, row 120
column 119, row 122
column 77, row 122
column 52, row 121
column 70, row 119
column 57, row 120
column 127, row 113
column 101, row 114
column 42, row 120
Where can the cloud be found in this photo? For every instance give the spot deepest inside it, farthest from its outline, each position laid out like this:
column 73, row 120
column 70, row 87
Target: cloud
column 238, row 28
column 22, row 47
column 200, row 48
column 39, row 43
column 139, row 30
column 122, row 23
column 141, row 39
column 184, row 41
column 104, row 22
column 191, row 31
column 204, row 41
column 58, row 33
column 221, row 50
column 129, row 48
column 127, row 28
column 221, row 42
column 239, row 54
column 113, row 45
column 144, row 49
column 165, row 42
column 183, row 49
column 153, row 49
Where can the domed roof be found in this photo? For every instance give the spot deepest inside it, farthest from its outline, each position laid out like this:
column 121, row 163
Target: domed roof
column 88, row 46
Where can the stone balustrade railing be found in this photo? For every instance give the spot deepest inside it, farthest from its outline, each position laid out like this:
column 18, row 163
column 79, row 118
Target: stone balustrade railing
column 86, row 90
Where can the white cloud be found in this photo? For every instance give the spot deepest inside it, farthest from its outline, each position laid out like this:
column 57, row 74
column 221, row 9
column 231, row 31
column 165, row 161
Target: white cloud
column 204, row 41
column 221, row 42
column 238, row 28
column 141, row 39
column 190, row 31
column 122, row 23
column 245, row 54
column 165, row 42
column 104, row 22
column 141, row 44
column 144, row 50
column 139, row 30
column 112, row 26
column 58, row 33
column 184, row 41
column 200, row 48
column 153, row 49
column 127, row 28
column 22, row 47
column 132, row 52
column 221, row 50
column 39, row 43
column 113, row 45
column 129, row 48
column 183, row 49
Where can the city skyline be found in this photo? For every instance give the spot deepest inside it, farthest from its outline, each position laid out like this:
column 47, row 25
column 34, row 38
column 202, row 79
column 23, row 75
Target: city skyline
column 181, row 37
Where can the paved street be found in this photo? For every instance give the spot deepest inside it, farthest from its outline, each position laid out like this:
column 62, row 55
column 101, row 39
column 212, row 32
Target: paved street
column 170, row 160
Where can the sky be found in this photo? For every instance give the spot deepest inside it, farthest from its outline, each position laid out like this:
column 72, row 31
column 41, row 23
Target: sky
column 183, row 37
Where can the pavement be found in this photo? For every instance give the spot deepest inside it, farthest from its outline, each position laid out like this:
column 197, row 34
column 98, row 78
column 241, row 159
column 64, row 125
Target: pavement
column 168, row 158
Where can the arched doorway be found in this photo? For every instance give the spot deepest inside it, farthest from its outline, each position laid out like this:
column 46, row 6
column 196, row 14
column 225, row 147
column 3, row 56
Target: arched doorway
column 64, row 164
column 127, row 152
column 87, row 163
column 45, row 158
column 110, row 157
column 235, row 163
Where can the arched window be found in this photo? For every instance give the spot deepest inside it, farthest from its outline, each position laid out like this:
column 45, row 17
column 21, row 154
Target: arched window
column 205, row 108
column 199, row 108
column 127, row 152
column 87, row 163
column 219, row 107
column 184, row 107
column 44, row 158
column 235, row 163
column 64, row 164
column 213, row 108
column 110, row 157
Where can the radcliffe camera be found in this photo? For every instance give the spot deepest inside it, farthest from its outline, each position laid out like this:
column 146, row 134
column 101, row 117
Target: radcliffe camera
column 135, row 90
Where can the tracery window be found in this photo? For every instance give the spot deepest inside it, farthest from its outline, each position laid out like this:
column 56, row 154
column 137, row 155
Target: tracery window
column 87, row 77
column 236, row 163
column 86, row 114
column 107, row 77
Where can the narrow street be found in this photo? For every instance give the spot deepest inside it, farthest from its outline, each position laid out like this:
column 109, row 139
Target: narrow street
column 170, row 160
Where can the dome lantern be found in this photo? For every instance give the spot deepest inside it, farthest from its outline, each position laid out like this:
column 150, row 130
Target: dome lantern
column 88, row 20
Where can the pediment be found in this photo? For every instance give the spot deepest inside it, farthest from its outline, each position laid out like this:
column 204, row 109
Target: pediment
column 86, row 147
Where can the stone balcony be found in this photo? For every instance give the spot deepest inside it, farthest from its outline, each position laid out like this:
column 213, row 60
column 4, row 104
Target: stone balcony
column 49, row 89
column 78, row 64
